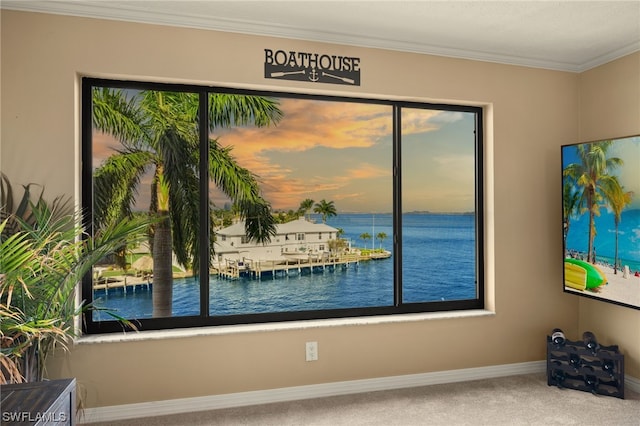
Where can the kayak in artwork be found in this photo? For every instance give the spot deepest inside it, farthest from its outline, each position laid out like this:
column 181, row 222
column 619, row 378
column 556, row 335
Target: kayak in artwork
column 582, row 275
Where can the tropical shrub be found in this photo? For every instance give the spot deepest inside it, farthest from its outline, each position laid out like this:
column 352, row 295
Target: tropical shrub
column 44, row 254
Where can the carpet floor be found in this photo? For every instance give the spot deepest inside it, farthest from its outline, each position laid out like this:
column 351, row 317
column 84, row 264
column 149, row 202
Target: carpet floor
column 514, row 400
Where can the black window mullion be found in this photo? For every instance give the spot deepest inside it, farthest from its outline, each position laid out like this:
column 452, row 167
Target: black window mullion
column 203, row 127
column 87, row 186
column 397, row 206
column 479, row 214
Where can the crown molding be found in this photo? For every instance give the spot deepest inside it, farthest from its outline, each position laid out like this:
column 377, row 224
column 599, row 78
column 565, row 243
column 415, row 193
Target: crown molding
column 611, row 56
column 135, row 12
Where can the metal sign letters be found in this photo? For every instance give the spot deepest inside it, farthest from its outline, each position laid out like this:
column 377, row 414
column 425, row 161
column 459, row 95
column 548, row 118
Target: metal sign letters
column 313, row 67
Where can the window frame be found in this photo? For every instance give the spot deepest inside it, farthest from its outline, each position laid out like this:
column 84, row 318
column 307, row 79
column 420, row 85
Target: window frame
column 91, row 326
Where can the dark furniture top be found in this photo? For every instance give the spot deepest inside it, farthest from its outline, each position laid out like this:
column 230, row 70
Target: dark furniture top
column 50, row 402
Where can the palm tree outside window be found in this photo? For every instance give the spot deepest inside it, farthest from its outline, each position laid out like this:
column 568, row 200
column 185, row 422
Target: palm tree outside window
column 159, row 137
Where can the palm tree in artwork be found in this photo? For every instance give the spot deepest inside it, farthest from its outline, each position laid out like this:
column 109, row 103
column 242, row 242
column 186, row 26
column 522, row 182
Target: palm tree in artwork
column 618, row 201
column 326, row 209
column 594, row 183
column 159, row 134
column 570, row 206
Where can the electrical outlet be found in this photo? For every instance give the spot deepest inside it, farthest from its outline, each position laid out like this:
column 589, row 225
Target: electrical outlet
column 312, row 351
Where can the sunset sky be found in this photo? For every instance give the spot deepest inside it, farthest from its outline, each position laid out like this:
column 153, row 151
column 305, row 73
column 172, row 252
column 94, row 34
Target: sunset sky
column 342, row 152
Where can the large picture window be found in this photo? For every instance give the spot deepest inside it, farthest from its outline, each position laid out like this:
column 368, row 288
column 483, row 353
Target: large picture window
column 274, row 207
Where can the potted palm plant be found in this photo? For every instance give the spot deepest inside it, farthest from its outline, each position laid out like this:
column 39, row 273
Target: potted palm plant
column 44, row 254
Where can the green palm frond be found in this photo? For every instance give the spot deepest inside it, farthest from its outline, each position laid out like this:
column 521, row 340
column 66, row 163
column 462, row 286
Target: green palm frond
column 325, row 209
column 226, row 110
column 40, row 267
column 162, row 128
column 115, row 185
column 115, row 112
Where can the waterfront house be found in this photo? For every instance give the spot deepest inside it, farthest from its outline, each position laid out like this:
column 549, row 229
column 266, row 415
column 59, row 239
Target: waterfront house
column 296, row 240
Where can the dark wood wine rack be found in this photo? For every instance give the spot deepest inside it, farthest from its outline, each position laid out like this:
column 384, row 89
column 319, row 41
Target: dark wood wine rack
column 574, row 366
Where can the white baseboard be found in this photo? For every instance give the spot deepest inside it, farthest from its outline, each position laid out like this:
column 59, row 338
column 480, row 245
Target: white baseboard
column 213, row 402
column 632, row 383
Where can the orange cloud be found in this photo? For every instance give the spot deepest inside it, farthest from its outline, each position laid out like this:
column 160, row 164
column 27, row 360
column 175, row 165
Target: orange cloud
column 286, row 192
column 309, row 124
column 306, row 125
column 421, row 120
column 318, row 125
column 368, row 171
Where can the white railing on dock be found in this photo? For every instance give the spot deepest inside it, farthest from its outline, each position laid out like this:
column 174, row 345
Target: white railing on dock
column 255, row 268
column 232, row 269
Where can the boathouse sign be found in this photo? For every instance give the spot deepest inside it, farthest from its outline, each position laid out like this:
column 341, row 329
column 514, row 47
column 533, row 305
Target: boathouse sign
column 313, row 67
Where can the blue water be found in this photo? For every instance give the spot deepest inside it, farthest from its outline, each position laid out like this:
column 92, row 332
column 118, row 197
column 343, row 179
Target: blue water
column 438, row 264
column 604, row 242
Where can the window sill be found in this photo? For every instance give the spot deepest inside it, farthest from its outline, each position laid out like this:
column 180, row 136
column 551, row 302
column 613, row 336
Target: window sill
column 280, row 326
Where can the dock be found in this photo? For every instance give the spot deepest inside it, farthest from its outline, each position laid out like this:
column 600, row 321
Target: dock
column 252, row 268
column 125, row 283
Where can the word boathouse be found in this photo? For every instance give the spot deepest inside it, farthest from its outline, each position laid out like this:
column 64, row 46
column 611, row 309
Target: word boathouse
column 314, row 67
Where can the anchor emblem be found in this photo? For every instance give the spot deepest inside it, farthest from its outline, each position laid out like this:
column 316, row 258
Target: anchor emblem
column 313, row 75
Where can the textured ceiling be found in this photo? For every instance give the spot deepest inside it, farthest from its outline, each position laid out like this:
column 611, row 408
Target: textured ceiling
column 564, row 35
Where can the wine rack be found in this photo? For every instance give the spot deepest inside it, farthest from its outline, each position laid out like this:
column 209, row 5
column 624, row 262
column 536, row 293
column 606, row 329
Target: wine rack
column 572, row 365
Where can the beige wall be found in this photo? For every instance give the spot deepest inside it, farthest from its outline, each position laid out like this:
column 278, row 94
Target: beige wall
column 531, row 112
column 610, row 108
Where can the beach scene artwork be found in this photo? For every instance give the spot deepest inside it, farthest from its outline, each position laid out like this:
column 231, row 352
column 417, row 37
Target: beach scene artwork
column 601, row 220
